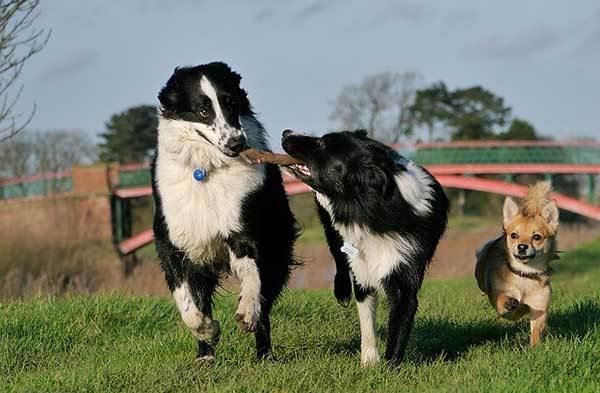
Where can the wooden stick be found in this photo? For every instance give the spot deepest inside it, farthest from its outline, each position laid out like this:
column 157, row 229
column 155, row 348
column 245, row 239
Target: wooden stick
column 255, row 156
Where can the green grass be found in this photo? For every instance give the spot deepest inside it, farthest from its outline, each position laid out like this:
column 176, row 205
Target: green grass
column 114, row 343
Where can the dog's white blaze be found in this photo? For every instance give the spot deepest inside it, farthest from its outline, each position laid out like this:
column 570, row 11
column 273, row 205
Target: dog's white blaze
column 367, row 314
column 378, row 255
column 415, row 186
column 208, row 89
column 220, row 131
column 199, row 215
column 247, row 272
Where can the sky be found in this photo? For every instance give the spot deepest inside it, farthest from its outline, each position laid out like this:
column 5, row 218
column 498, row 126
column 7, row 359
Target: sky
column 104, row 56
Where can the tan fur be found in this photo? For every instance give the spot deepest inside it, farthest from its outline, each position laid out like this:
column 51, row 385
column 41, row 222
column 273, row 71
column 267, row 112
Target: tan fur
column 537, row 197
column 534, row 223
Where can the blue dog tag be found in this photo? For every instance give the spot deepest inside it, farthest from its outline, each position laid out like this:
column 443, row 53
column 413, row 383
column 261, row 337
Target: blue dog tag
column 199, row 174
column 349, row 249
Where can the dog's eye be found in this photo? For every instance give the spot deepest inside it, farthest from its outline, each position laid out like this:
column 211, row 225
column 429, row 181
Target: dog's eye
column 537, row 237
column 514, row 235
column 203, row 113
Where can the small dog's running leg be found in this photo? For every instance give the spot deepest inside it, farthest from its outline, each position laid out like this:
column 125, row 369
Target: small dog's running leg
column 248, row 311
column 367, row 313
column 538, row 304
column 538, row 326
column 507, row 304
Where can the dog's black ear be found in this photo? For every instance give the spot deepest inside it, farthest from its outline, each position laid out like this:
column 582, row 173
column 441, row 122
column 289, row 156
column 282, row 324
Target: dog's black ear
column 373, row 177
column 380, row 180
column 168, row 95
column 235, row 79
column 226, row 71
column 361, row 134
column 245, row 106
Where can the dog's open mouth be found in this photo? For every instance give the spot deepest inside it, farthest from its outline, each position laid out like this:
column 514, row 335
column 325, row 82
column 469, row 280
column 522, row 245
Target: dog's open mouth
column 300, row 169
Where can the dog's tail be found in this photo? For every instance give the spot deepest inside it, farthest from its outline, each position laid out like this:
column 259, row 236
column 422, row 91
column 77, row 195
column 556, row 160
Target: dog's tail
column 537, row 197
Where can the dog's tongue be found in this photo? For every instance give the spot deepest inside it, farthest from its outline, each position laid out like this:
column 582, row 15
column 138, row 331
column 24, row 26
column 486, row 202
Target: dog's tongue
column 255, row 156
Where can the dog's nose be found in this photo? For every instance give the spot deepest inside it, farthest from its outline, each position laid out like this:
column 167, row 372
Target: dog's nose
column 522, row 248
column 287, row 132
column 237, row 143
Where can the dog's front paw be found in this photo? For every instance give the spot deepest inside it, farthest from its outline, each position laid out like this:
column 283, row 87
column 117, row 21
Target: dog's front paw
column 246, row 323
column 342, row 289
column 511, row 303
column 247, row 315
column 206, row 354
column 369, row 357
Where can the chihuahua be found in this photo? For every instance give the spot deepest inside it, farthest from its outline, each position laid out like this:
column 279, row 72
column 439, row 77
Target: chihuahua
column 513, row 270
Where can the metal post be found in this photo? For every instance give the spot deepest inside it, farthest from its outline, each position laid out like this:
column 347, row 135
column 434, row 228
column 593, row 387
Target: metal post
column 591, row 194
column 509, row 177
column 119, row 218
column 548, row 177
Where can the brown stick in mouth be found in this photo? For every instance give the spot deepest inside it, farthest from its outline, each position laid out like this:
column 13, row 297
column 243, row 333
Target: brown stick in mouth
column 255, row 156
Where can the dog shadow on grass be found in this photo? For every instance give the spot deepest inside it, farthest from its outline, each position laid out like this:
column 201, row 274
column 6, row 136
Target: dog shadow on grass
column 439, row 338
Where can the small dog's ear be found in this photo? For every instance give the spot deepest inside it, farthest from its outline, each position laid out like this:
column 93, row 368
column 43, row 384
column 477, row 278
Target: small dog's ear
column 510, row 210
column 550, row 214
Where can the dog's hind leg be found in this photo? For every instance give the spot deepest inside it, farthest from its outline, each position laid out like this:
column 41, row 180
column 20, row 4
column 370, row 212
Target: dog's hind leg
column 366, row 303
column 274, row 275
column 263, row 335
column 403, row 305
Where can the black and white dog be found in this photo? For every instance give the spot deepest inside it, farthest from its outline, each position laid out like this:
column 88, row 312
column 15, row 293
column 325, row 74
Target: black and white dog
column 214, row 212
column 383, row 216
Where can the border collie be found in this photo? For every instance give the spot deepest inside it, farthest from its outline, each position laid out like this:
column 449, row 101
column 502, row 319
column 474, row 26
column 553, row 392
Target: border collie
column 213, row 211
column 383, row 216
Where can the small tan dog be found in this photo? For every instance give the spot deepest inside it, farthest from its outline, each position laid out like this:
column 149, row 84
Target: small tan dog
column 513, row 269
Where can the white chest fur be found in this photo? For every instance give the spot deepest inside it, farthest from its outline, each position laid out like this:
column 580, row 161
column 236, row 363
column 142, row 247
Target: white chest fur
column 199, row 215
column 375, row 256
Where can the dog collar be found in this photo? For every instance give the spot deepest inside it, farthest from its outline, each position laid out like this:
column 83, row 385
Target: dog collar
column 199, row 174
column 542, row 277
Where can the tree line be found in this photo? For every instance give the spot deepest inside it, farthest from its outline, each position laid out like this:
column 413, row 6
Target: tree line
column 392, row 106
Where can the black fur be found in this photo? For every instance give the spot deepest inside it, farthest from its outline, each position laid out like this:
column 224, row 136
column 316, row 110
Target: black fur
column 357, row 176
column 181, row 98
column 268, row 228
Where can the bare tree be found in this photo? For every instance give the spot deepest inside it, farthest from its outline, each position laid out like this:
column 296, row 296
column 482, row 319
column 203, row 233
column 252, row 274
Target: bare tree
column 42, row 152
column 59, row 151
column 379, row 104
column 16, row 157
column 19, row 41
column 406, row 85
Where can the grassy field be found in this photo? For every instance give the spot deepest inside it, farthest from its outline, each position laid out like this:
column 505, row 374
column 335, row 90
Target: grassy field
column 116, row 343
